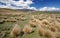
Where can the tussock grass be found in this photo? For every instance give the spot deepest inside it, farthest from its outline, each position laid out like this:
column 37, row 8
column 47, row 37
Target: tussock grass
column 57, row 24
column 45, row 21
column 32, row 24
column 49, row 34
column 45, row 32
column 58, row 19
column 2, row 21
column 32, row 17
column 2, row 34
column 47, row 25
column 10, row 20
column 50, row 19
column 23, row 18
column 57, row 35
column 40, row 31
column 53, row 29
column 27, row 29
column 42, row 16
column 15, row 31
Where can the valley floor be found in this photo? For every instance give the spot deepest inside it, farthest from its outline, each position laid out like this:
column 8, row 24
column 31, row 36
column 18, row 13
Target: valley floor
column 33, row 25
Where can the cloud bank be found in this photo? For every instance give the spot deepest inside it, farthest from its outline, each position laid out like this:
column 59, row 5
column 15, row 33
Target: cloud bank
column 16, row 4
column 21, row 4
column 49, row 9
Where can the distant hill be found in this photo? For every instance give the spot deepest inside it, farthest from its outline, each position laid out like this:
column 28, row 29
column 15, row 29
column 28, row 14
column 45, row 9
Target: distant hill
column 24, row 10
column 6, row 10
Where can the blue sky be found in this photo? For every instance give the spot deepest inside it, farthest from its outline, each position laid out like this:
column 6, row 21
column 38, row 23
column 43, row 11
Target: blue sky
column 42, row 5
column 47, row 3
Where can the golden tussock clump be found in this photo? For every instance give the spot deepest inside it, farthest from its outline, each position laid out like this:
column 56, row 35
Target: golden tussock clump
column 50, row 19
column 57, row 25
column 2, row 21
column 23, row 18
column 27, row 29
column 42, row 16
column 33, row 20
column 2, row 34
column 57, row 34
column 22, row 15
column 41, row 31
column 58, row 19
column 32, row 17
column 10, row 20
column 45, row 21
column 38, row 21
column 32, row 24
column 15, row 31
column 53, row 29
column 49, row 34
column 45, row 32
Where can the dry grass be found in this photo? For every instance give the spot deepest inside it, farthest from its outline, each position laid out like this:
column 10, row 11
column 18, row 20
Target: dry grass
column 57, row 35
column 41, row 31
column 57, row 24
column 47, row 25
column 49, row 34
column 45, row 28
column 37, row 21
column 45, row 21
column 24, row 18
column 2, row 34
column 2, row 21
column 32, row 17
column 27, row 29
column 53, row 29
column 10, row 20
column 15, row 31
column 45, row 32
column 32, row 24
column 58, row 19
column 50, row 19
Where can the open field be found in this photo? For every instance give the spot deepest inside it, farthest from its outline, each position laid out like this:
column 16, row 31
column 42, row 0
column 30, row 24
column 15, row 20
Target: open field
column 29, row 24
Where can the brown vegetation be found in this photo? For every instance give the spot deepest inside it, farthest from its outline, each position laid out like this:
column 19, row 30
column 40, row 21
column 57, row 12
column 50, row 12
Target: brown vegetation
column 40, row 31
column 27, row 29
column 49, row 34
column 46, row 22
column 16, row 31
column 32, row 24
column 10, row 20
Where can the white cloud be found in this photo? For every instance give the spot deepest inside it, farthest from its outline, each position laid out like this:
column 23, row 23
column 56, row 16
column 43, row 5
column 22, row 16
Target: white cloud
column 49, row 9
column 22, row 3
column 2, row 6
column 32, row 8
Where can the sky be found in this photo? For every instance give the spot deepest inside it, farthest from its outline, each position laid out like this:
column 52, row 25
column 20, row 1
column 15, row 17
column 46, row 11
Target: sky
column 38, row 5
